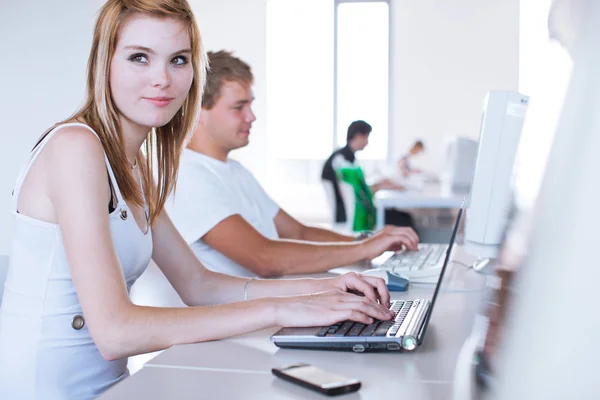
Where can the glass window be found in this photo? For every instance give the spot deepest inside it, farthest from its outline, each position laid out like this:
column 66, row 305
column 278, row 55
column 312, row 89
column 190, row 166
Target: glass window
column 300, row 78
column 302, row 121
column 362, row 72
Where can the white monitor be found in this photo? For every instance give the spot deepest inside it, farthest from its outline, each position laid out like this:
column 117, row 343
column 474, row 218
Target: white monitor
column 490, row 198
column 461, row 155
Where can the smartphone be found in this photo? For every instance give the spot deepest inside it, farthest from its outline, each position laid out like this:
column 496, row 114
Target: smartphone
column 317, row 379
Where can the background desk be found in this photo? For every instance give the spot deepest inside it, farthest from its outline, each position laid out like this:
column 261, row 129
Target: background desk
column 240, row 367
column 433, row 196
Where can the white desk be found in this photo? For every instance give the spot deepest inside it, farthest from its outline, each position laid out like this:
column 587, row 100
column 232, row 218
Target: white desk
column 432, row 196
column 240, row 367
column 153, row 383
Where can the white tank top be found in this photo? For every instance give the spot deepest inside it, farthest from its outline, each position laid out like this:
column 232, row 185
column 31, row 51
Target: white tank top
column 42, row 354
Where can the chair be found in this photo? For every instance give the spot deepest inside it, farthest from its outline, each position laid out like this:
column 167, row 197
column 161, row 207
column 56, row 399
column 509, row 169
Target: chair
column 3, row 273
column 349, row 200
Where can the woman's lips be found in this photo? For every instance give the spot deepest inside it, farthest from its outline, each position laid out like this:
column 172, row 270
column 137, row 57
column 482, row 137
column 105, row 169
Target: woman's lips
column 160, row 101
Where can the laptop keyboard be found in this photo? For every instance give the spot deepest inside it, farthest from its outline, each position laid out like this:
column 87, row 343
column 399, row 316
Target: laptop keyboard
column 377, row 328
column 428, row 256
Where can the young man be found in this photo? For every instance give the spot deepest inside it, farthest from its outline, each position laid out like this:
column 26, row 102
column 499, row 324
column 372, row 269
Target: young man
column 220, row 209
column 342, row 165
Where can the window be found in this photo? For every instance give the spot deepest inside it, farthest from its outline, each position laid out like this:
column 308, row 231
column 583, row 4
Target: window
column 362, row 72
column 327, row 65
column 300, row 78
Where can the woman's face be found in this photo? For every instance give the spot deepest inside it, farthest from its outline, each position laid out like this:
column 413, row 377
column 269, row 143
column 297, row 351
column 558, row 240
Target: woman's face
column 151, row 70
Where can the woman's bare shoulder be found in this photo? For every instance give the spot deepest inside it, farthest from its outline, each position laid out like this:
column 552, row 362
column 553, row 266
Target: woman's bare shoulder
column 74, row 144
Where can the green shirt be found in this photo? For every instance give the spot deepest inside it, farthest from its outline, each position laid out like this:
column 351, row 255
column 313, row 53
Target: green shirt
column 364, row 212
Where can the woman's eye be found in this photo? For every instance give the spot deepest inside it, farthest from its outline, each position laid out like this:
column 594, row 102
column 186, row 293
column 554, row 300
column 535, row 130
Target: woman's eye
column 179, row 60
column 139, row 58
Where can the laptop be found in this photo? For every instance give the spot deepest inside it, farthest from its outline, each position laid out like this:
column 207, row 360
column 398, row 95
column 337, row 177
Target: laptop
column 405, row 331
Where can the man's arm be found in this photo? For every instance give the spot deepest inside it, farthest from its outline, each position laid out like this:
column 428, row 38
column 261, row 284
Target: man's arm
column 386, row 184
column 199, row 286
column 238, row 240
column 290, row 228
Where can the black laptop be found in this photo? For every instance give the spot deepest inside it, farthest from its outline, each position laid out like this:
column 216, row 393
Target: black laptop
column 405, row 331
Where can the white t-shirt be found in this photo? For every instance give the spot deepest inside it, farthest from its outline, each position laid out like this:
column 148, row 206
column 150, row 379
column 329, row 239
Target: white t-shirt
column 208, row 191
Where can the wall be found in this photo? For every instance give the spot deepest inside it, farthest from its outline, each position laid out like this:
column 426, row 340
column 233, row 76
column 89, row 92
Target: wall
column 44, row 47
column 446, row 55
column 240, row 26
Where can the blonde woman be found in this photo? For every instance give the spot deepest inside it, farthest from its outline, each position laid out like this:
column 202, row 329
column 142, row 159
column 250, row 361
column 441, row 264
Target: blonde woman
column 88, row 218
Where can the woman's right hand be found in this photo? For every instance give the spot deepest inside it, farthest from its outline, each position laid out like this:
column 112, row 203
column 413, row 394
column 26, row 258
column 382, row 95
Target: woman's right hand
column 328, row 308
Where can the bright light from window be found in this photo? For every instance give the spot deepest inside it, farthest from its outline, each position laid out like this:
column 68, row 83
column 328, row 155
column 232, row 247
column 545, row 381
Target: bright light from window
column 300, row 78
column 362, row 72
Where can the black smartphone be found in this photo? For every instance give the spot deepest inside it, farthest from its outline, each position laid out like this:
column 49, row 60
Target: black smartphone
column 317, row 379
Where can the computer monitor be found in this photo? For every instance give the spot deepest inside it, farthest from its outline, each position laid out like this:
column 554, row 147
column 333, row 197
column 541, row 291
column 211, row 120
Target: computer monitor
column 461, row 156
column 490, row 197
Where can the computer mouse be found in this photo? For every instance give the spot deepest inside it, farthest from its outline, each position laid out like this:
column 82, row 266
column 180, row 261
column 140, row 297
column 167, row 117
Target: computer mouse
column 394, row 281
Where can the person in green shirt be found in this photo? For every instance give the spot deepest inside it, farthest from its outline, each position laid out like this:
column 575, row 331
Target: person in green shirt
column 341, row 166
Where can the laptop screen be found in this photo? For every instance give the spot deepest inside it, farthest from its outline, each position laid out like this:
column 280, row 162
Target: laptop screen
column 443, row 271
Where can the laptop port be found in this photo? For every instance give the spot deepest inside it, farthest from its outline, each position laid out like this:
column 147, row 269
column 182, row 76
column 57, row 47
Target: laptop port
column 393, row 346
column 358, row 348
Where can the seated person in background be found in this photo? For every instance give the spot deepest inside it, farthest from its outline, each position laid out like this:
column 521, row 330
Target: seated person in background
column 341, row 165
column 404, row 164
column 220, row 209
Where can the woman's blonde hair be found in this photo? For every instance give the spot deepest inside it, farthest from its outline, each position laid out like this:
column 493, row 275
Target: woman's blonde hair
column 164, row 144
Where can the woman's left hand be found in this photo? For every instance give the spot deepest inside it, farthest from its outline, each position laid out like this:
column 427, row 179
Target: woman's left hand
column 371, row 287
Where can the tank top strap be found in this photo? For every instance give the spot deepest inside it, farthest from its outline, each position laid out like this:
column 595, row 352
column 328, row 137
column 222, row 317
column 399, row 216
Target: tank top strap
column 38, row 149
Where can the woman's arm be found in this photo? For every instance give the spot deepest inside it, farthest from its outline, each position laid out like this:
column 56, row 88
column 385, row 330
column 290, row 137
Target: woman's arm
column 199, row 286
column 76, row 183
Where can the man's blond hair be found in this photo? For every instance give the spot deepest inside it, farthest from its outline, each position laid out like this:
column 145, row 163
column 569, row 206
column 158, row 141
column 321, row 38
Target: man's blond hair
column 223, row 67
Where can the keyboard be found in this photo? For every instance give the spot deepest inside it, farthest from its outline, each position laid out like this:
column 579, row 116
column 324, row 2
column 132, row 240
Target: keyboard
column 400, row 308
column 430, row 255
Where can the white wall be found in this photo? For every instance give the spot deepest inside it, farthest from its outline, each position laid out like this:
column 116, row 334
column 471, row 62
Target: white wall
column 446, row 55
column 240, row 26
column 44, row 47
